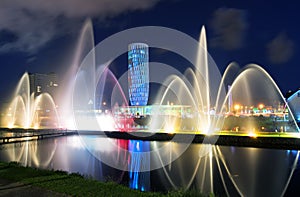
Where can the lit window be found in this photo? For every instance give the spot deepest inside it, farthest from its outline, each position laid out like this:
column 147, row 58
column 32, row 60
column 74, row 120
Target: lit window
column 38, row 88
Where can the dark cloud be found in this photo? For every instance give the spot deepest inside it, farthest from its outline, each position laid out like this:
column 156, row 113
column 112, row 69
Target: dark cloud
column 280, row 49
column 7, row 37
column 35, row 22
column 229, row 26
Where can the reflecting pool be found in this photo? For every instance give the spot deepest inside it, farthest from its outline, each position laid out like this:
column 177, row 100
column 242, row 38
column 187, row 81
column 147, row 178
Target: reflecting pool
column 207, row 168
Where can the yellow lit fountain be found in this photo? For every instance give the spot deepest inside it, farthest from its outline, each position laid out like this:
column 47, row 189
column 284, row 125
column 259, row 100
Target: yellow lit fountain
column 29, row 111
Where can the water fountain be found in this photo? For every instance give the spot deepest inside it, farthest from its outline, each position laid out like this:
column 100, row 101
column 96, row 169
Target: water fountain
column 203, row 97
column 202, row 88
column 27, row 110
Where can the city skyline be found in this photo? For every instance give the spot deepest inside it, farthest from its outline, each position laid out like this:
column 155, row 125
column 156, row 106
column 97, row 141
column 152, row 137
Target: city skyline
column 42, row 38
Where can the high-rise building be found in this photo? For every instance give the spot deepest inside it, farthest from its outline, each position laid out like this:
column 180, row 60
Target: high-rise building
column 138, row 74
column 43, row 83
column 138, row 84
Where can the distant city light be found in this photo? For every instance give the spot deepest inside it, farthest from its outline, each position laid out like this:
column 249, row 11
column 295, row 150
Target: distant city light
column 261, row 106
column 237, row 107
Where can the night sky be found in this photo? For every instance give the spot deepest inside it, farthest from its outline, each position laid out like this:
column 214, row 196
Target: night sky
column 41, row 35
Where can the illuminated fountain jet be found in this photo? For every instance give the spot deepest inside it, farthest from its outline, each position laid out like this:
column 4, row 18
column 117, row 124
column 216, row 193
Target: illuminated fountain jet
column 29, row 111
column 201, row 89
column 204, row 89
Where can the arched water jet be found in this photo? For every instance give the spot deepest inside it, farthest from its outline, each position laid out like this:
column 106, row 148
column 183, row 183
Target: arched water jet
column 23, row 93
column 230, row 73
column 17, row 111
column 182, row 89
column 45, row 101
column 24, row 107
column 117, row 94
column 267, row 86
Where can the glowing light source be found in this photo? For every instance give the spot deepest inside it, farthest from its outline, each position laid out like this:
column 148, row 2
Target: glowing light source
column 169, row 129
column 261, row 106
column 252, row 134
column 237, row 107
column 106, row 122
column 10, row 125
column 36, row 126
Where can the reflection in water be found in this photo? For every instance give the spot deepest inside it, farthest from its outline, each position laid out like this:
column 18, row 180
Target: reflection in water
column 208, row 168
column 29, row 153
column 139, row 165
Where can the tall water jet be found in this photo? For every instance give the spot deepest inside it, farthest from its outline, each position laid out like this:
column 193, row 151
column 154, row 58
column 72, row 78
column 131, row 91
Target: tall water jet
column 44, row 112
column 202, row 89
column 202, row 83
column 84, row 47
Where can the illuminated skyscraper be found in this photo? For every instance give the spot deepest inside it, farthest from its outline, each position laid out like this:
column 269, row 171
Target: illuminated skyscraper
column 138, row 84
column 138, row 74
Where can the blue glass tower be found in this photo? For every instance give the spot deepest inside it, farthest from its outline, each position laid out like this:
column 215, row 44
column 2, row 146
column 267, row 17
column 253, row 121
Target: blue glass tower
column 138, row 74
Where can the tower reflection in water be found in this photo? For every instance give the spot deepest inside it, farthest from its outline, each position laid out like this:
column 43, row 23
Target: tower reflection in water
column 139, row 165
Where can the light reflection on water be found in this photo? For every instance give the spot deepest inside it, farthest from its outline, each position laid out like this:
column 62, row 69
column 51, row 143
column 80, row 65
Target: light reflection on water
column 222, row 170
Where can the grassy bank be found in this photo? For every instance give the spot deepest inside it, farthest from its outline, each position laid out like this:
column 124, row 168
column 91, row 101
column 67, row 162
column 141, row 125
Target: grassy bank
column 73, row 184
